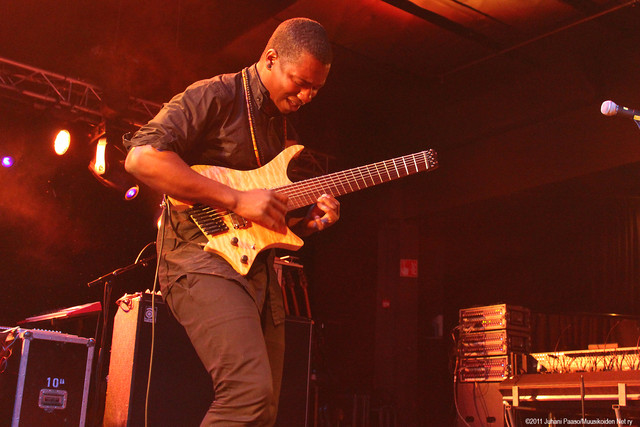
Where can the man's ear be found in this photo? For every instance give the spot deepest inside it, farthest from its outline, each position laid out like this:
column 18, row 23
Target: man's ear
column 271, row 56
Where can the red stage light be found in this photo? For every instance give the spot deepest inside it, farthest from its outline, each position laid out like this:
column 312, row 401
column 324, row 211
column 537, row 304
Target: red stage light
column 62, row 142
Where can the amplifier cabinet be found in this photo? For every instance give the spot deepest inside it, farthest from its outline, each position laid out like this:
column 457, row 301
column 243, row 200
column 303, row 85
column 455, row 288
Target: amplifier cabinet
column 180, row 389
column 47, row 383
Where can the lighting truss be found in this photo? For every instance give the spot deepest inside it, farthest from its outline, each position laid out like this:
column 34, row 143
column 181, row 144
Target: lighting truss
column 85, row 100
column 30, row 84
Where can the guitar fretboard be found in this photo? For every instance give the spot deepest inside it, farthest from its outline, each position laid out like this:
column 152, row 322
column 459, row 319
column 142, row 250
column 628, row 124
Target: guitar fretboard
column 306, row 192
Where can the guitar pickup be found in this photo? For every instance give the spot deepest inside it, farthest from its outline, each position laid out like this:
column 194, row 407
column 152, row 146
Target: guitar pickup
column 209, row 220
column 239, row 222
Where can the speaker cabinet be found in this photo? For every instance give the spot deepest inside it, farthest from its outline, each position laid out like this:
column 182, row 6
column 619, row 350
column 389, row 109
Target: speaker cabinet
column 180, row 390
column 295, row 397
column 479, row 404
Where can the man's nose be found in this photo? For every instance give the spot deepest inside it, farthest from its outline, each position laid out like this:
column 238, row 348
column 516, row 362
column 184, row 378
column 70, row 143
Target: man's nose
column 306, row 95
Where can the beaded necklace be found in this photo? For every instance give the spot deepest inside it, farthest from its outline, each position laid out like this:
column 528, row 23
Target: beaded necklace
column 247, row 95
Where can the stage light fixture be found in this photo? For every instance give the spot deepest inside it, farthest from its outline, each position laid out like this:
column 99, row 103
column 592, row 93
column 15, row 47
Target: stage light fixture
column 107, row 165
column 7, row 161
column 99, row 163
column 62, row 142
column 132, row 192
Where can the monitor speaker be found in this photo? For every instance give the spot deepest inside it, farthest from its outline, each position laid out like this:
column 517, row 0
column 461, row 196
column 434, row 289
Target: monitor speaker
column 479, row 404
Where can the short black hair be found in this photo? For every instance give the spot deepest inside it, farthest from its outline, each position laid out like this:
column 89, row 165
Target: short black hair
column 296, row 36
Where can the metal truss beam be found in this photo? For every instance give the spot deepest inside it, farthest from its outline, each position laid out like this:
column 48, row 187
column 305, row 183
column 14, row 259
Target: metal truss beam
column 86, row 101
column 80, row 98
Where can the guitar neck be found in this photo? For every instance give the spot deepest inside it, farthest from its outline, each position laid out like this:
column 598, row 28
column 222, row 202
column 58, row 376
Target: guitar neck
column 306, row 192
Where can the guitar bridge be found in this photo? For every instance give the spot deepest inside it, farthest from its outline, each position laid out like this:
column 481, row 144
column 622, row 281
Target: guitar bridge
column 238, row 222
column 209, row 220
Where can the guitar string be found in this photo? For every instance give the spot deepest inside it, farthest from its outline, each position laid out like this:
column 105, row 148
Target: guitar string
column 299, row 192
column 349, row 176
column 342, row 179
column 369, row 175
column 245, row 81
column 324, row 184
column 345, row 182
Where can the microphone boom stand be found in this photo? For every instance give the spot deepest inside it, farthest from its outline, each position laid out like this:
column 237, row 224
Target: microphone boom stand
column 106, row 280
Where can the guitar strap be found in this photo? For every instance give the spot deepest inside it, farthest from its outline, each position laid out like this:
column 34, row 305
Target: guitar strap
column 247, row 95
column 247, row 98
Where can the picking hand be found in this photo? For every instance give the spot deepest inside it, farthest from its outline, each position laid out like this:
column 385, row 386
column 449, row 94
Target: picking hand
column 265, row 207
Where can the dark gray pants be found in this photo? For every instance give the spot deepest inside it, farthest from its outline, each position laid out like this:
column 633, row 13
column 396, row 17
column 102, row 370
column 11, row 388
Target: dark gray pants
column 242, row 350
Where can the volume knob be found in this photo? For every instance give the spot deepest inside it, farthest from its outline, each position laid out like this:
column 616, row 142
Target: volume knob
column 244, row 259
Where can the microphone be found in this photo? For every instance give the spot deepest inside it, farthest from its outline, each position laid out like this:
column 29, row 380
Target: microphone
column 610, row 108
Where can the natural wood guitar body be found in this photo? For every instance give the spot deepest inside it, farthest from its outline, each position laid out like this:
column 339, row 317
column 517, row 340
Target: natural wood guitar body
column 239, row 245
column 239, row 241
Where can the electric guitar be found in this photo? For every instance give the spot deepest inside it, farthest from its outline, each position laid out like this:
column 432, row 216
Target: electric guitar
column 239, row 241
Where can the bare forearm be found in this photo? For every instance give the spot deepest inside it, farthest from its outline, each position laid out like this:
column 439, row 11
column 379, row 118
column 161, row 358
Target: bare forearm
column 167, row 173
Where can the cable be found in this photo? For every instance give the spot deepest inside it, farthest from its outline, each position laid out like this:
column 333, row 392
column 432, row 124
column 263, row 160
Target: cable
column 455, row 376
column 455, row 396
column 476, row 398
column 142, row 251
column 506, row 416
column 101, row 329
column 163, row 219
column 6, row 351
column 566, row 328
column 604, row 349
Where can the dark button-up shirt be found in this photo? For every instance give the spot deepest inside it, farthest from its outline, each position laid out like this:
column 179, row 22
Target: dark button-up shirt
column 208, row 124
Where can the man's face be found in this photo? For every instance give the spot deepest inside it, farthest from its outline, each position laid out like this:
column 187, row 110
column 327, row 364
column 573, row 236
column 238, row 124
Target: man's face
column 294, row 84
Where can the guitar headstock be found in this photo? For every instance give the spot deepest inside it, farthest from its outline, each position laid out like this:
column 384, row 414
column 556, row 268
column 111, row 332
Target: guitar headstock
column 432, row 159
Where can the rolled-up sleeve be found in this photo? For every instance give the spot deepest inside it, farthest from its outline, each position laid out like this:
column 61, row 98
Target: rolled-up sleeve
column 180, row 121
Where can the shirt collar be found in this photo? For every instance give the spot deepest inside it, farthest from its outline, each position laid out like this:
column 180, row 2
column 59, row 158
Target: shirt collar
column 260, row 93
